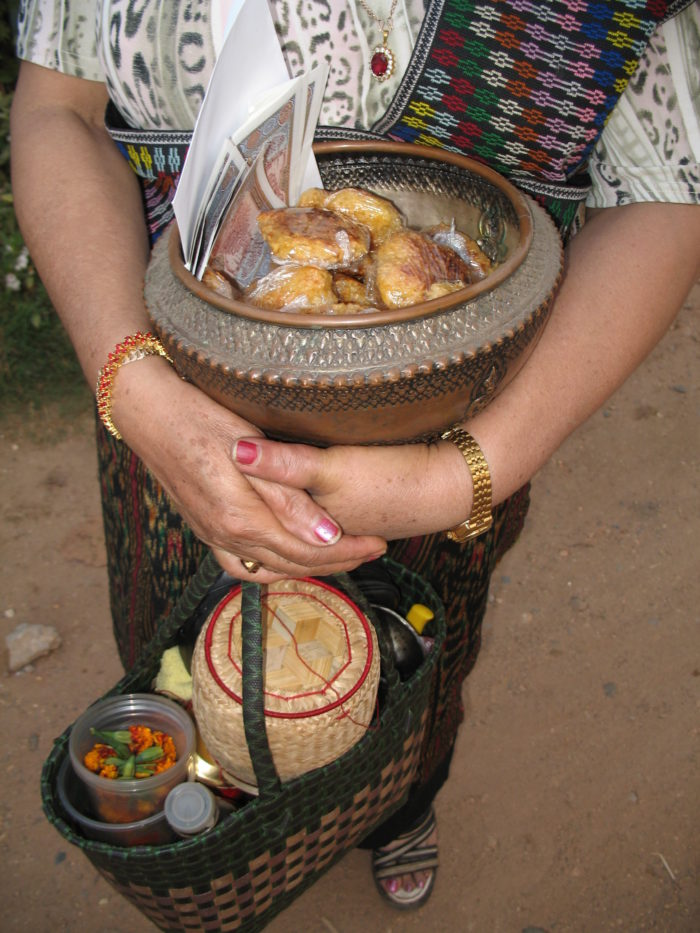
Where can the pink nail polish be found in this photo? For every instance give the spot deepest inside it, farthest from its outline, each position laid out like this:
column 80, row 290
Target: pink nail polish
column 245, row 452
column 326, row 531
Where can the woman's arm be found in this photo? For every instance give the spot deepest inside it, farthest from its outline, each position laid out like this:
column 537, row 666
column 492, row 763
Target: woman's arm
column 627, row 274
column 79, row 206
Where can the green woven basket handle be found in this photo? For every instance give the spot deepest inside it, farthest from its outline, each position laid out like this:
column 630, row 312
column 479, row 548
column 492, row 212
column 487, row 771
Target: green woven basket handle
column 253, row 701
column 170, row 629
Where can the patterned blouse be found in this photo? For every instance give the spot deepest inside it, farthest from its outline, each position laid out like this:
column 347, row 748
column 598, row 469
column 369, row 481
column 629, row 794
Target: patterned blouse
column 156, row 57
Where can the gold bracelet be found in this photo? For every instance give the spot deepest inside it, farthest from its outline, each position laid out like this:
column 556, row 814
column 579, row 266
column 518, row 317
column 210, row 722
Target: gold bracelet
column 481, row 518
column 135, row 347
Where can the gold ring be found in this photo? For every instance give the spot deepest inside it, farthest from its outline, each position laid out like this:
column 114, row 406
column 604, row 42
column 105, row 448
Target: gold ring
column 252, row 566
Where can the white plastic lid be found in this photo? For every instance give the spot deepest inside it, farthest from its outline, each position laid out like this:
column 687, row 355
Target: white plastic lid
column 190, row 808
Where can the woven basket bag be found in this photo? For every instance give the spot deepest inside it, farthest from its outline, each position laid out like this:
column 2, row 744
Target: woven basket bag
column 259, row 858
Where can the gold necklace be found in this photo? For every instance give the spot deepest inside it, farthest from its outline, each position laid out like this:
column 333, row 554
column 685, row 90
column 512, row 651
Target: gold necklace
column 382, row 61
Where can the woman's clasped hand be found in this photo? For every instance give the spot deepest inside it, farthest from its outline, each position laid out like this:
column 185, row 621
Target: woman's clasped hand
column 394, row 491
column 187, row 440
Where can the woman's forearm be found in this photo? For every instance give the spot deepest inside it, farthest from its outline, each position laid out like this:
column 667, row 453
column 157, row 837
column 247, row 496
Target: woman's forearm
column 80, row 211
column 627, row 274
column 79, row 208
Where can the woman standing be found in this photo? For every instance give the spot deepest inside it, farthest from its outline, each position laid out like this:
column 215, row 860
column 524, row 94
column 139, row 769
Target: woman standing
column 527, row 88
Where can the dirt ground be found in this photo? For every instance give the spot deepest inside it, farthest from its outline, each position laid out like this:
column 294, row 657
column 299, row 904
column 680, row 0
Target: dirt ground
column 574, row 803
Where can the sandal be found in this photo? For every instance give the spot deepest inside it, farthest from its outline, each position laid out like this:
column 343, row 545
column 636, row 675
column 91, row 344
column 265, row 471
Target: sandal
column 408, row 854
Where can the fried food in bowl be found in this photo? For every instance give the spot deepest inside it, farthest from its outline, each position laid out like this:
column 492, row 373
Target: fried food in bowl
column 358, row 371
column 376, row 259
column 314, row 236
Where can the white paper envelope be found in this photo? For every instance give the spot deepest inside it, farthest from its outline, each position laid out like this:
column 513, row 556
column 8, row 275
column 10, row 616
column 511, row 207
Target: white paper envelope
column 250, row 64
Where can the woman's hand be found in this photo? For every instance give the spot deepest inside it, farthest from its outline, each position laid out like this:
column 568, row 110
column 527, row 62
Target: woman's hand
column 393, row 491
column 186, row 440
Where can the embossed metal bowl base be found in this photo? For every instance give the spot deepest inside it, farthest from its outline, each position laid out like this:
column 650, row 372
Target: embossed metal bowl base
column 386, row 376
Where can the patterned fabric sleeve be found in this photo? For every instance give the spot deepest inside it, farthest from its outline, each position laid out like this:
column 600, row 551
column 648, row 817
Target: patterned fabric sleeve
column 650, row 148
column 59, row 34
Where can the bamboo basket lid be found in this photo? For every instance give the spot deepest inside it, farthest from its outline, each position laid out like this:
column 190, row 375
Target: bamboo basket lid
column 320, row 678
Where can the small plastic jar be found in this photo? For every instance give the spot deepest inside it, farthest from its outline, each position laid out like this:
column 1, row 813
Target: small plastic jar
column 191, row 809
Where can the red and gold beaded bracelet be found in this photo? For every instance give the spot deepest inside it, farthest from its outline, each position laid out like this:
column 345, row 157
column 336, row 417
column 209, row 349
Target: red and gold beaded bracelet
column 135, row 347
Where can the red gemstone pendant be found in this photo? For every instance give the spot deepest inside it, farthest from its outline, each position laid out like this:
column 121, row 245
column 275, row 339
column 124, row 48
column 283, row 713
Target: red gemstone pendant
column 379, row 64
column 382, row 61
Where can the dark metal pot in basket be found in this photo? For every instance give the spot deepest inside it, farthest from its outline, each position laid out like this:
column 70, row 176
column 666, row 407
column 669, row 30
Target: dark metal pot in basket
column 387, row 375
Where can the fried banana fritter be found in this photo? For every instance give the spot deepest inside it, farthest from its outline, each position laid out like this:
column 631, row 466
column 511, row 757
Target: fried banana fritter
column 350, row 290
column 476, row 259
column 409, row 264
column 380, row 216
column 313, row 197
column 219, row 283
column 293, row 288
column 315, row 236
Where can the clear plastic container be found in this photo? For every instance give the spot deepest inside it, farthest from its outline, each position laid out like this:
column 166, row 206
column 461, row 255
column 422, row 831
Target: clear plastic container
column 127, row 801
column 154, row 830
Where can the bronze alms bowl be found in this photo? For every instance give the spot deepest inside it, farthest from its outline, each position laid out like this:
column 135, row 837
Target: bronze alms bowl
column 388, row 375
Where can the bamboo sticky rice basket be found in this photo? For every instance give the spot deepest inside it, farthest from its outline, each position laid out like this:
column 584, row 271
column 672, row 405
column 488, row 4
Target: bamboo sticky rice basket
column 320, row 679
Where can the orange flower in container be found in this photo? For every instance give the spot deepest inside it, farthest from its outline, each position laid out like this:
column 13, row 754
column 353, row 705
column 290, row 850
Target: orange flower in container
column 129, row 751
column 136, row 752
